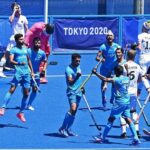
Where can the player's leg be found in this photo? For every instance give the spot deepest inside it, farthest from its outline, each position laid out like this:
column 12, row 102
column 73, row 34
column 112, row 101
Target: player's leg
column 7, row 99
column 26, row 88
column 33, row 94
column 129, row 121
column 123, row 125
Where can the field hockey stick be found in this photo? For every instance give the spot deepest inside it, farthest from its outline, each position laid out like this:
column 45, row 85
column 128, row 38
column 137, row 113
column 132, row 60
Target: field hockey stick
column 90, row 111
column 35, row 83
column 88, row 77
column 144, row 105
column 144, row 116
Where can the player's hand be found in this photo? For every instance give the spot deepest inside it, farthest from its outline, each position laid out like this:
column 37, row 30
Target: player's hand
column 83, row 90
column 94, row 70
column 16, row 8
column 78, row 74
column 42, row 74
column 21, row 63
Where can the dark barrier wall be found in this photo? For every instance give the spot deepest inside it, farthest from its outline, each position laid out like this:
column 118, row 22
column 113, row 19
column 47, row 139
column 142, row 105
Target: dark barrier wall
column 74, row 7
column 82, row 32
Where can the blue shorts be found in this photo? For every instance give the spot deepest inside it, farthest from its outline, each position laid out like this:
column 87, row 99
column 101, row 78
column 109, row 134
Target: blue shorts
column 24, row 80
column 121, row 110
column 105, row 71
column 74, row 98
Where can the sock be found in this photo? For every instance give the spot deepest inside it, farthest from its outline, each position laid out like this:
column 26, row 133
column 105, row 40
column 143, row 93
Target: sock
column 123, row 124
column 136, row 122
column 6, row 99
column 133, row 131
column 70, row 123
column 23, row 104
column 32, row 98
column 2, row 63
column 107, row 129
column 66, row 120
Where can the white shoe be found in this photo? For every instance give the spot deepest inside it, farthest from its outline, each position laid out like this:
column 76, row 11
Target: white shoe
column 2, row 75
column 30, row 108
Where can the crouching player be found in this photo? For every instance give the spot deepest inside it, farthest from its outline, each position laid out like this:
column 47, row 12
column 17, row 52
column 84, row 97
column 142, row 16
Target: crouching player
column 121, row 105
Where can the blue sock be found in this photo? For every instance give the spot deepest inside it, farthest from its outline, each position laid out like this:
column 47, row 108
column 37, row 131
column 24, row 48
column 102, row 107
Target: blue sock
column 32, row 98
column 107, row 129
column 70, row 123
column 23, row 104
column 66, row 121
column 6, row 99
column 133, row 131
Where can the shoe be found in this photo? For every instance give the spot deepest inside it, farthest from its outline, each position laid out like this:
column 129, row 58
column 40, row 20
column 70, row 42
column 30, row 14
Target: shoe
column 138, row 134
column 30, row 108
column 21, row 117
column 43, row 80
column 98, row 139
column 70, row 133
column 123, row 135
column 136, row 142
column 2, row 75
column 63, row 133
column 2, row 111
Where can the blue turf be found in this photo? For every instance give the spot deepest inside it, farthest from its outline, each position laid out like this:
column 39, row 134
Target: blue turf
column 41, row 129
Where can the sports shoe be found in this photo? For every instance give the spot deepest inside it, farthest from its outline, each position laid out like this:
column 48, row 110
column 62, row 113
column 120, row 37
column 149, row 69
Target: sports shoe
column 2, row 75
column 2, row 111
column 63, row 133
column 136, row 142
column 43, row 80
column 123, row 135
column 98, row 139
column 30, row 108
column 8, row 68
column 21, row 117
column 70, row 133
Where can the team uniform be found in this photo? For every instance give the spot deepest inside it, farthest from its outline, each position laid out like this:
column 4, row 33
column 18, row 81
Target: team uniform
column 18, row 26
column 121, row 107
column 108, row 52
column 71, row 89
column 134, row 72
column 36, row 59
column 73, row 97
column 22, row 74
column 144, row 53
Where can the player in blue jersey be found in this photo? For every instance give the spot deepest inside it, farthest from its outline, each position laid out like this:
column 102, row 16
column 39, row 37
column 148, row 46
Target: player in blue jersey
column 121, row 106
column 107, row 51
column 120, row 61
column 37, row 56
column 73, row 80
column 19, row 58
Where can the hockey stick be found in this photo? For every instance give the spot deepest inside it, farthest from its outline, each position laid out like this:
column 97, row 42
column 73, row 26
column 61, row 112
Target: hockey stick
column 35, row 83
column 90, row 111
column 88, row 77
column 144, row 105
column 144, row 116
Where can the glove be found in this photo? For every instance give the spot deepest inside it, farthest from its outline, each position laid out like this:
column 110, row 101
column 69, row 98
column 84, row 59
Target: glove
column 78, row 75
column 42, row 74
column 94, row 70
column 83, row 90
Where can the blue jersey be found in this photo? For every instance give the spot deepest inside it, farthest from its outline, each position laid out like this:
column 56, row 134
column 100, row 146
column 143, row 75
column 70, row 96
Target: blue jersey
column 20, row 55
column 108, row 52
column 36, row 59
column 121, row 85
column 72, row 72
